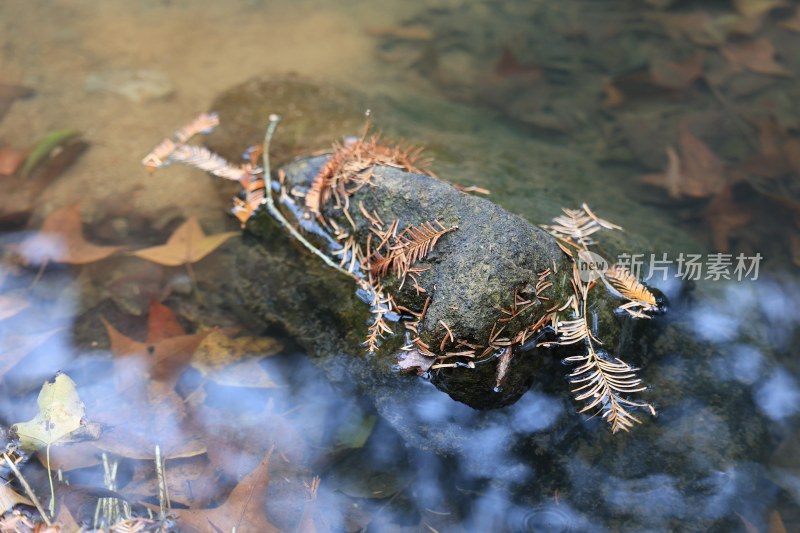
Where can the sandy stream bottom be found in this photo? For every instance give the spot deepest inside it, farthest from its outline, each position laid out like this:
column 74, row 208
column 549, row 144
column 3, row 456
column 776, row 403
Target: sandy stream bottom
column 202, row 47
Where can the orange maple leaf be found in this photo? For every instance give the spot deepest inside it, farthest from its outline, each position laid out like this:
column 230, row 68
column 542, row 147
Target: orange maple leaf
column 696, row 173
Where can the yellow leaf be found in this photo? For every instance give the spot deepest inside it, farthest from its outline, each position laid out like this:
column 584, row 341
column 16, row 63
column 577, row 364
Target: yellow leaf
column 60, row 417
column 187, row 244
column 234, row 362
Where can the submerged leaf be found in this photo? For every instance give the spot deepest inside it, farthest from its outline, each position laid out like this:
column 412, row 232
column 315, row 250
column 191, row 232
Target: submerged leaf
column 162, row 323
column 163, row 360
column 243, row 509
column 10, row 160
column 45, row 146
column 793, row 23
column 757, row 55
column 60, row 418
column 187, row 244
column 724, row 215
column 15, row 347
column 757, row 8
column 677, row 76
column 133, row 427
column 9, row 498
column 355, row 432
column 235, row 362
column 415, row 361
column 189, row 481
column 61, row 240
column 697, row 172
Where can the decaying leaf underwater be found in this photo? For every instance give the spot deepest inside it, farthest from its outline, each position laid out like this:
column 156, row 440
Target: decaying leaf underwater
column 390, row 257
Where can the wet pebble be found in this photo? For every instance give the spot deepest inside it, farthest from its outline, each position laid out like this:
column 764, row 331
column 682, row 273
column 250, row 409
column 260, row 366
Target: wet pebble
column 137, row 85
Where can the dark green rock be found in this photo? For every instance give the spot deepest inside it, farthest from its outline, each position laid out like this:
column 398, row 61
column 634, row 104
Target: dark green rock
column 473, row 272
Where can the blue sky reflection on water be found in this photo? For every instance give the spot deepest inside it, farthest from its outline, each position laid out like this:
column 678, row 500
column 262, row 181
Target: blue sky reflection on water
column 725, row 401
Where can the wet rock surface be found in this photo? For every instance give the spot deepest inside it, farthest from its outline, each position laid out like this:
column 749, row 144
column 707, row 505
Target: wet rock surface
column 470, row 276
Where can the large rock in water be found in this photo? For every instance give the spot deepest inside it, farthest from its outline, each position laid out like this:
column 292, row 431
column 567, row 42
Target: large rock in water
column 689, row 469
column 475, row 269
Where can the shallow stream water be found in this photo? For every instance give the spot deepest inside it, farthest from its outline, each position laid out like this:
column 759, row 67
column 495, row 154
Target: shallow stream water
column 512, row 96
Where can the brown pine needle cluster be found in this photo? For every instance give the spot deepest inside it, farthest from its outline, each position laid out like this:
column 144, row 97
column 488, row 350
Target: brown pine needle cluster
column 175, row 150
column 161, row 154
column 351, row 167
column 575, row 227
column 380, row 306
column 397, row 253
column 601, row 381
column 622, row 283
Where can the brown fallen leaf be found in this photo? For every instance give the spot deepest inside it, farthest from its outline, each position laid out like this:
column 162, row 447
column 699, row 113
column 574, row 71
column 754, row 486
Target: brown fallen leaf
column 503, row 365
column 65, row 520
column 778, row 152
column 793, row 23
column 10, row 160
column 190, row 481
column 162, row 323
column 237, row 441
column 757, row 55
column 757, row 8
column 776, row 524
column 695, row 26
column 509, row 65
column 9, row 498
column 243, row 509
column 614, row 97
column 162, row 361
column 133, row 427
column 696, row 173
column 415, row 361
column 15, row 347
column 76, row 455
column 187, row 244
column 19, row 195
column 61, row 240
column 703, row 29
column 723, row 216
column 677, row 76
